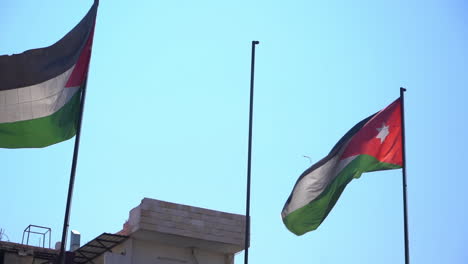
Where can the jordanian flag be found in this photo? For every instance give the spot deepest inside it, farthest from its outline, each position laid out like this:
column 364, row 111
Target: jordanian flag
column 40, row 89
column 371, row 145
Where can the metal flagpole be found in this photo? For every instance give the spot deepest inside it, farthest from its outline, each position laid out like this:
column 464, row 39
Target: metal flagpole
column 66, row 220
column 72, row 174
column 249, row 159
column 405, row 205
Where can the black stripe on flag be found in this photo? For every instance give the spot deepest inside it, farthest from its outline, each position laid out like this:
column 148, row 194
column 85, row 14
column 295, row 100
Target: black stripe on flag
column 39, row 65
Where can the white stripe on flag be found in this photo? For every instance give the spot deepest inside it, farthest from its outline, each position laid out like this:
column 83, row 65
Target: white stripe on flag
column 314, row 183
column 37, row 100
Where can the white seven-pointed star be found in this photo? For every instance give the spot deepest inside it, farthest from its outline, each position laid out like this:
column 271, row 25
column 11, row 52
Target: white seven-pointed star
column 383, row 132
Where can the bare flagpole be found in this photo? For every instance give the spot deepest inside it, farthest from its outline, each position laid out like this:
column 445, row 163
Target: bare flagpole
column 405, row 205
column 249, row 159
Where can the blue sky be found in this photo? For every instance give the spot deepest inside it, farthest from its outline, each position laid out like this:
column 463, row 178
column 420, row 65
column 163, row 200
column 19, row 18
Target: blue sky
column 166, row 117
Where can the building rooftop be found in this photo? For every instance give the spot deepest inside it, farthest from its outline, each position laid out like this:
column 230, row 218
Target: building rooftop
column 9, row 250
column 153, row 230
column 187, row 225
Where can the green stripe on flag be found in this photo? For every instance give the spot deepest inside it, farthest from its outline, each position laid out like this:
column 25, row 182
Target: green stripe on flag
column 310, row 216
column 44, row 131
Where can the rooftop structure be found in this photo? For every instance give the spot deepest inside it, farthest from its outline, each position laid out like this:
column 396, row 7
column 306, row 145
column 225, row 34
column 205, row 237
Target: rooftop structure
column 156, row 232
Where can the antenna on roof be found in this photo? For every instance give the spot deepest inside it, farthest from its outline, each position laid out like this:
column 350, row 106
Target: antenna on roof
column 2, row 234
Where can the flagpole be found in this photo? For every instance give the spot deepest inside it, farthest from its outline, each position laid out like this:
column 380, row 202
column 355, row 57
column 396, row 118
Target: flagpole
column 249, row 158
column 405, row 205
column 72, row 174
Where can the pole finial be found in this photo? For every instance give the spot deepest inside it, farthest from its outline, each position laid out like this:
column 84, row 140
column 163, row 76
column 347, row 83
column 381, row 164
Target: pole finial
column 255, row 42
column 403, row 89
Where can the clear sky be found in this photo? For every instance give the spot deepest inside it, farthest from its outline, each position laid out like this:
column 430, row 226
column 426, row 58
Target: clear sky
column 166, row 117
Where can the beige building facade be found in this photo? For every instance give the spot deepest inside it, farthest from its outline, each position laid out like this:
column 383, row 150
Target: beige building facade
column 157, row 232
column 166, row 233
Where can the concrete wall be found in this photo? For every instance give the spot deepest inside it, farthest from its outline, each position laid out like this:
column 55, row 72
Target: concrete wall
column 14, row 253
column 15, row 258
column 134, row 251
column 189, row 221
column 167, row 233
column 121, row 254
column 152, row 252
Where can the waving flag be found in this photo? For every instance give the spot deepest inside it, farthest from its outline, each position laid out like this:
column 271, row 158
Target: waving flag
column 373, row 144
column 40, row 89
